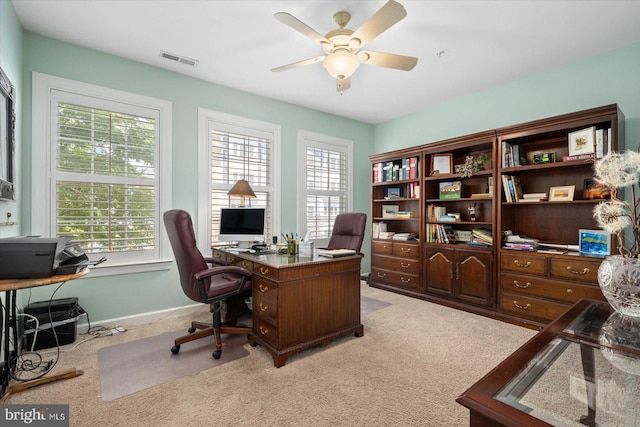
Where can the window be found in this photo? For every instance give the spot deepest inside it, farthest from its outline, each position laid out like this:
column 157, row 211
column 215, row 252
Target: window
column 233, row 148
column 102, row 150
column 325, row 192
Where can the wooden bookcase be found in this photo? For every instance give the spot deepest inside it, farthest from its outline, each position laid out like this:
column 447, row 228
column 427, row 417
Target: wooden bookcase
column 524, row 287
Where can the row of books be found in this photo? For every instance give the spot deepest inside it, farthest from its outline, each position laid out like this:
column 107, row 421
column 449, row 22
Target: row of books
column 513, row 155
column 397, row 170
column 440, row 233
column 512, row 188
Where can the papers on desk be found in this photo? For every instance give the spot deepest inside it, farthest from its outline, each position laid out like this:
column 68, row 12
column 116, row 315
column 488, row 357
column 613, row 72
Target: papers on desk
column 335, row 253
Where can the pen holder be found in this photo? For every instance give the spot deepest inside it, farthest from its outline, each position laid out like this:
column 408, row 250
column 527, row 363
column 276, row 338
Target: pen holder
column 292, row 248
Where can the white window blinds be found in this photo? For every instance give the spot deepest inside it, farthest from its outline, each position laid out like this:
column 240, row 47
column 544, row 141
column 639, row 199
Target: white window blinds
column 105, row 169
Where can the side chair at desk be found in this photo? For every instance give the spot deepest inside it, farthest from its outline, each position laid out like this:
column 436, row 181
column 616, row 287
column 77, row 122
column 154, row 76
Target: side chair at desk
column 300, row 302
column 9, row 326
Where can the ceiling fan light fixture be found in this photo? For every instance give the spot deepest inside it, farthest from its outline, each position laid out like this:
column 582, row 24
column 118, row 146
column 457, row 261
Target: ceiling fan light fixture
column 341, row 63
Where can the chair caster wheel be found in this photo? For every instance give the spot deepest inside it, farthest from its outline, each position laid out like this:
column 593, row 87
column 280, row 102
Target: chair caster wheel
column 217, row 354
column 191, row 330
column 175, row 349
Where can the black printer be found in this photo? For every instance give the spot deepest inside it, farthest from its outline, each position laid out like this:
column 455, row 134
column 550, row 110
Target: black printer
column 34, row 257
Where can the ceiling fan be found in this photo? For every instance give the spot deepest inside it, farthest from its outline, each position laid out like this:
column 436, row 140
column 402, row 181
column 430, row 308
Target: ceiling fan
column 342, row 46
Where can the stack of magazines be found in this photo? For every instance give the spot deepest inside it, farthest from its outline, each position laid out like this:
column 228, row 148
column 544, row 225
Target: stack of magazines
column 520, row 243
column 481, row 237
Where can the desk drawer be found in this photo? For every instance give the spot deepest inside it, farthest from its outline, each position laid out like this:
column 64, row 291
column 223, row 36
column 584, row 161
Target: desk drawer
column 266, row 331
column 400, row 265
column 562, row 291
column 234, row 260
column 575, row 269
column 265, row 270
column 265, row 303
column 523, row 263
column 532, row 308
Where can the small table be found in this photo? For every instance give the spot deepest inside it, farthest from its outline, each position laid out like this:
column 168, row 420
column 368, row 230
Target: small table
column 583, row 369
column 300, row 302
column 10, row 324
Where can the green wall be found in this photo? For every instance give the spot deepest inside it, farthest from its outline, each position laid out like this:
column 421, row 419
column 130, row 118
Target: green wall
column 609, row 78
column 603, row 79
column 125, row 295
column 11, row 63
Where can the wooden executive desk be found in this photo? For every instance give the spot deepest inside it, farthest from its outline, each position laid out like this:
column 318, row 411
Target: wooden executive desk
column 10, row 324
column 300, row 302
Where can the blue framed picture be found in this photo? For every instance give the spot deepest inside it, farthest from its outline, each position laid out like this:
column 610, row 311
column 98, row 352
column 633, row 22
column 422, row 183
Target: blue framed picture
column 595, row 243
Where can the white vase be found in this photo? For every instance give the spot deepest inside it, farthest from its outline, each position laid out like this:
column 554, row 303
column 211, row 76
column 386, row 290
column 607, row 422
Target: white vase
column 619, row 280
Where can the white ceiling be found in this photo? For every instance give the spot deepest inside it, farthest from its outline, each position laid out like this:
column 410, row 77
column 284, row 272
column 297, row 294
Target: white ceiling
column 485, row 44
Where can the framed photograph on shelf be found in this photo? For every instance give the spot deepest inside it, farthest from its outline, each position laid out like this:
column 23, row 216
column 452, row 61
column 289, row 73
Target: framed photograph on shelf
column 393, row 193
column 450, row 190
column 595, row 243
column 390, row 211
column 582, row 141
column 441, row 164
column 561, row 194
column 595, row 190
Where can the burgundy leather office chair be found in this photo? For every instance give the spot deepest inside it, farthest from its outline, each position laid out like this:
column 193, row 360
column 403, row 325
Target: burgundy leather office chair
column 205, row 284
column 348, row 231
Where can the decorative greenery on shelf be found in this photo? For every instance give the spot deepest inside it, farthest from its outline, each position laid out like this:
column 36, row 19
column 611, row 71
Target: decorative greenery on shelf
column 619, row 170
column 471, row 164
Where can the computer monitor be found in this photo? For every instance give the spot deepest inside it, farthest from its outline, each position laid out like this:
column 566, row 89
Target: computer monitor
column 242, row 225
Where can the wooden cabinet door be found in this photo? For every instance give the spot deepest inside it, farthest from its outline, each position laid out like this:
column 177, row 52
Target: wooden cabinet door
column 473, row 275
column 440, row 264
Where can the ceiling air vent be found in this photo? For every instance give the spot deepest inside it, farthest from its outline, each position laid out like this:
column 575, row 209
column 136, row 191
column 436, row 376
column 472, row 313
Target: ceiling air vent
column 178, row 58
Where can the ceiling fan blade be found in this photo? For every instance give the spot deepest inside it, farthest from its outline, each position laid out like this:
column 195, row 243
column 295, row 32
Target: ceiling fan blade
column 301, row 27
column 343, row 84
column 298, row 64
column 388, row 60
column 386, row 17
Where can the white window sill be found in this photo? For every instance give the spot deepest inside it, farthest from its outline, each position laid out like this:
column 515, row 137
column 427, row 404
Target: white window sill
column 113, row 269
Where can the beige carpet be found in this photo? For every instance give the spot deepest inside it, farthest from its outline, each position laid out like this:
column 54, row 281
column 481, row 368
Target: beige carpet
column 414, row 359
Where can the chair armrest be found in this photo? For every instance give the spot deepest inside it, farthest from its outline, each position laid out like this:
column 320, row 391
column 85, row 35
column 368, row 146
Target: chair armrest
column 215, row 261
column 221, row 270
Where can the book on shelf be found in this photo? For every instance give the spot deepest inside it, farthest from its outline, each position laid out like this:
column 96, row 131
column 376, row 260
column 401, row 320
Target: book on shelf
column 405, row 214
column 482, row 235
column 480, row 195
column 386, row 234
column 435, row 212
column 397, row 170
column 579, row 157
column 535, row 195
column 404, row 236
column 462, row 235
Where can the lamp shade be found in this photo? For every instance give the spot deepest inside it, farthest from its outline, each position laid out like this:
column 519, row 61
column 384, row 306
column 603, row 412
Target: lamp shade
column 341, row 63
column 241, row 189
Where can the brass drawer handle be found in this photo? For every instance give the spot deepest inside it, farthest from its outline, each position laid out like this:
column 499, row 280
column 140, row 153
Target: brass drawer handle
column 518, row 285
column 581, row 273
column 517, row 263
column 263, row 330
column 405, row 250
column 263, row 288
column 521, row 307
column 403, row 265
column 569, row 291
column 403, row 280
column 381, row 275
column 263, row 307
column 264, row 270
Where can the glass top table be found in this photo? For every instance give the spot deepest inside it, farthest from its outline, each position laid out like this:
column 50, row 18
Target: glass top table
column 583, row 369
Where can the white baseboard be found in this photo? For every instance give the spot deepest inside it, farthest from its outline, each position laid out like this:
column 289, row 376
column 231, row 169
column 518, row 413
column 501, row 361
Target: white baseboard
column 141, row 318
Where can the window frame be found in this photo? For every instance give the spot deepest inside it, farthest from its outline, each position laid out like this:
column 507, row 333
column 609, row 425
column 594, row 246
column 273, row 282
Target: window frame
column 43, row 161
column 311, row 139
column 234, row 124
